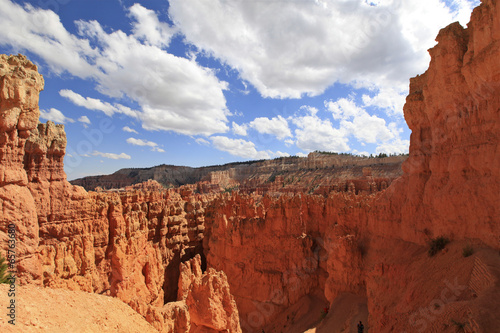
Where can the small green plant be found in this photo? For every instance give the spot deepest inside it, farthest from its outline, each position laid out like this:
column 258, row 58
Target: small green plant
column 467, row 251
column 230, row 189
column 437, row 244
column 4, row 277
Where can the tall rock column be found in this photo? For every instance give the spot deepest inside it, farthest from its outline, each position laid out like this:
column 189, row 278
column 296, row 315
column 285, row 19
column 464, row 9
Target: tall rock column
column 20, row 84
column 452, row 175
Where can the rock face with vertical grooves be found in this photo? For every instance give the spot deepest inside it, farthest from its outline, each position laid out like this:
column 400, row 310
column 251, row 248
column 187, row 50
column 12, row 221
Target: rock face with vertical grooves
column 215, row 256
column 130, row 245
column 20, row 85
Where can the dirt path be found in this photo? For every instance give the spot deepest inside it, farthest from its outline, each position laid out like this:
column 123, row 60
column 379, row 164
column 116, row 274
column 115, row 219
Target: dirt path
column 346, row 311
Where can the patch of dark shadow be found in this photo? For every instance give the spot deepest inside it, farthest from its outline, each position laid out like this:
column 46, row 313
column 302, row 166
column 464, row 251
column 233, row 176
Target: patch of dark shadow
column 363, row 246
column 157, row 233
column 172, row 271
column 203, row 261
column 170, row 285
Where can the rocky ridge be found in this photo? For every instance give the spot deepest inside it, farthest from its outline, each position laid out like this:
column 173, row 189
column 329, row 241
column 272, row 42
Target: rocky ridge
column 190, row 259
column 319, row 170
column 129, row 245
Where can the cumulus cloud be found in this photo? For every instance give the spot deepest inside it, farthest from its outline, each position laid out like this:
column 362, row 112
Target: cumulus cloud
column 112, row 155
column 56, row 116
column 238, row 147
column 352, row 124
column 314, row 133
column 148, row 28
column 389, row 99
column 355, row 121
column 84, row 120
column 145, row 143
column 202, row 141
column 97, row 104
column 130, row 130
column 397, row 146
column 277, row 126
column 240, row 129
column 291, row 48
column 41, row 32
column 281, row 154
column 174, row 93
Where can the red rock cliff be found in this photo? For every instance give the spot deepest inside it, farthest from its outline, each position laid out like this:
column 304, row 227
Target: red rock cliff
column 279, row 251
column 284, row 257
column 20, row 85
column 452, row 178
column 130, row 245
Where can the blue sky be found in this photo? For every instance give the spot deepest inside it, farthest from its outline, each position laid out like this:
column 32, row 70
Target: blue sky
column 202, row 82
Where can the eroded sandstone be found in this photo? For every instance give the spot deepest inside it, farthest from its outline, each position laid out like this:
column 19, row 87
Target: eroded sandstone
column 261, row 253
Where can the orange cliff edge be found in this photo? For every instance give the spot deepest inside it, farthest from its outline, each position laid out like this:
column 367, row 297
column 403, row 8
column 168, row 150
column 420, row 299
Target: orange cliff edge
column 194, row 262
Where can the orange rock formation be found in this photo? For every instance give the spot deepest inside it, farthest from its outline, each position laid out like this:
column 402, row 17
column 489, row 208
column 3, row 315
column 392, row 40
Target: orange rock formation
column 195, row 259
column 128, row 244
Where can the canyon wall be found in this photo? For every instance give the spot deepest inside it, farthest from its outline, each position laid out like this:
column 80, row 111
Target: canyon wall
column 375, row 246
column 246, row 251
column 20, row 85
column 130, row 245
column 452, row 178
column 297, row 174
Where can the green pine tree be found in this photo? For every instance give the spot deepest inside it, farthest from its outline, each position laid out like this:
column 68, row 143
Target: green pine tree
column 4, row 277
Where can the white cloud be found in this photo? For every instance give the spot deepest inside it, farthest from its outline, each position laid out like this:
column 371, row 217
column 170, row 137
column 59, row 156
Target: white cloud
column 174, row 93
column 344, row 108
column 130, row 130
column 140, row 142
column 355, row 121
column 397, row 146
column 238, row 147
column 145, row 143
column 388, row 99
column 111, row 155
column 360, row 153
column 84, row 120
column 281, row 154
column 313, row 133
column 240, row 129
column 291, row 48
column 56, row 116
column 97, row 104
column 277, row 126
column 202, row 141
column 148, row 28
column 309, row 109
column 463, row 9
column 41, row 32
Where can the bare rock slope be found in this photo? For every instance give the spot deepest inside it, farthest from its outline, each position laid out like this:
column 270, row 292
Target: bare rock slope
column 269, row 253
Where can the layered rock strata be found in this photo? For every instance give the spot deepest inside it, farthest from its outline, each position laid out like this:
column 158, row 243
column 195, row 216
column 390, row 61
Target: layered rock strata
column 252, row 258
column 20, row 85
column 130, row 245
